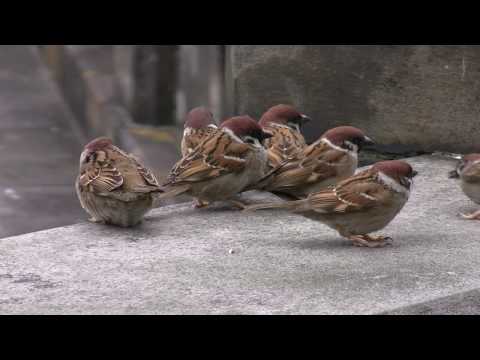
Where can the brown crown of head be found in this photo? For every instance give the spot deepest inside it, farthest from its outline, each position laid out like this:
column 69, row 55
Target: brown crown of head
column 283, row 114
column 343, row 133
column 98, row 144
column 465, row 163
column 470, row 158
column 395, row 169
column 243, row 126
column 199, row 118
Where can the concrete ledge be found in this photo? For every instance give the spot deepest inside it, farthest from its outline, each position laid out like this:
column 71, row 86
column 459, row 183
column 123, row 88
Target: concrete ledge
column 179, row 262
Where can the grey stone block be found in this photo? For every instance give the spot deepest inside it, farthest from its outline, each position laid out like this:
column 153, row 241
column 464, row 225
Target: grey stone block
column 421, row 98
column 180, row 261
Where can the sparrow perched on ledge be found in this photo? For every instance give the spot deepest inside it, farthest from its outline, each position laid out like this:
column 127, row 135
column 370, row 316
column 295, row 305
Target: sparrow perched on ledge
column 198, row 126
column 113, row 187
column 223, row 165
column 469, row 173
column 284, row 122
column 357, row 206
column 334, row 157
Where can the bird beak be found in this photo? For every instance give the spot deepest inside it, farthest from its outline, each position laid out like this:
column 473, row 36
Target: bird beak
column 368, row 141
column 305, row 119
column 414, row 173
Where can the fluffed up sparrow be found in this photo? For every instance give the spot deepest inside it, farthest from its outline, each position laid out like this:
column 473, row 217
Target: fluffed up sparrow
column 112, row 186
column 468, row 171
column 223, row 165
column 199, row 124
column 362, row 204
column 329, row 160
column 284, row 122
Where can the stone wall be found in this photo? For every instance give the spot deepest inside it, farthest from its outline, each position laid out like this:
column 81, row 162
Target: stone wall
column 406, row 97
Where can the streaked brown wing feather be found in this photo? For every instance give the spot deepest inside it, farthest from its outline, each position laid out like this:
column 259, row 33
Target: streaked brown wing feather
column 357, row 193
column 216, row 156
column 284, row 144
column 314, row 164
column 198, row 136
column 146, row 174
column 101, row 179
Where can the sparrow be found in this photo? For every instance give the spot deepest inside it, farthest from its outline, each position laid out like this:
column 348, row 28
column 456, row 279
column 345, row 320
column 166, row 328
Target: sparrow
column 223, row 165
column 329, row 160
column 468, row 171
column 198, row 125
column 284, row 122
column 359, row 205
column 114, row 187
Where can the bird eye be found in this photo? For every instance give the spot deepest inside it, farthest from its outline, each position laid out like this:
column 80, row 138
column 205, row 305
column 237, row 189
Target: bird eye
column 349, row 145
column 249, row 140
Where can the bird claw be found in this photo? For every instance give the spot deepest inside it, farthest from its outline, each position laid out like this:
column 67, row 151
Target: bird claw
column 371, row 242
column 198, row 204
column 96, row 221
column 238, row 204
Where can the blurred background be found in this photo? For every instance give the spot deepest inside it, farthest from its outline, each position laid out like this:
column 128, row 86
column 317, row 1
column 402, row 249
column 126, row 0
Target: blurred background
column 55, row 98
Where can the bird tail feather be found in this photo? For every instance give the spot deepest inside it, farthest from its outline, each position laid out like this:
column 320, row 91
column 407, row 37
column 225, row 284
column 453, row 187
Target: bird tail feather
column 169, row 193
column 286, row 205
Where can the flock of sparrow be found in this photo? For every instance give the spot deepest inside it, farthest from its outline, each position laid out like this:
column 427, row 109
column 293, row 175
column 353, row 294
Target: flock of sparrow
column 220, row 162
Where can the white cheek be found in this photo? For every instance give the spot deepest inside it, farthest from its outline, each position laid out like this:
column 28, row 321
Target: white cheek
column 393, row 184
column 232, row 135
column 354, row 147
column 329, row 143
column 295, row 126
column 256, row 143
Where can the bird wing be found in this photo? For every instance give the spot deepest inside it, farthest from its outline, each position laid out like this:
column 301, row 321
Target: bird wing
column 196, row 137
column 284, row 144
column 217, row 155
column 100, row 179
column 115, row 172
column 358, row 193
column 145, row 173
column 313, row 164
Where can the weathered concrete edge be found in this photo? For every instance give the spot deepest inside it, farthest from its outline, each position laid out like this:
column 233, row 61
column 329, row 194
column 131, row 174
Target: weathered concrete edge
column 96, row 104
column 463, row 303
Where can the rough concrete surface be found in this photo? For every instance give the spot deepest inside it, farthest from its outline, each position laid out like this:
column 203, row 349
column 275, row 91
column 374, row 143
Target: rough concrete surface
column 40, row 144
column 179, row 261
column 413, row 97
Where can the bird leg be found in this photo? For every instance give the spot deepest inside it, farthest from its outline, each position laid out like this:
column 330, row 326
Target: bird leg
column 199, row 204
column 369, row 241
column 96, row 221
column 363, row 240
column 238, row 204
column 472, row 216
